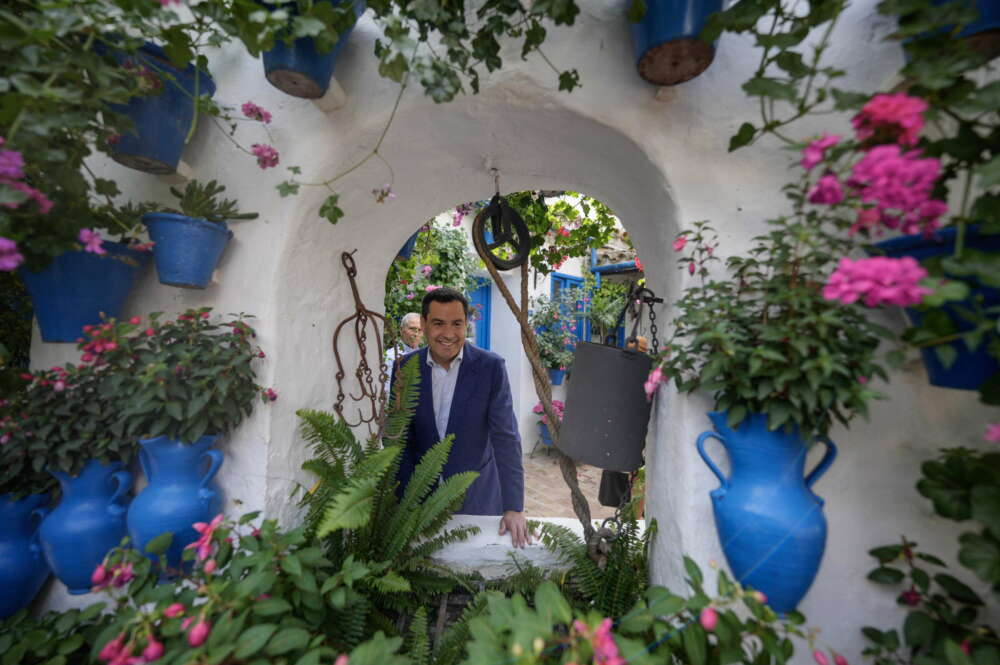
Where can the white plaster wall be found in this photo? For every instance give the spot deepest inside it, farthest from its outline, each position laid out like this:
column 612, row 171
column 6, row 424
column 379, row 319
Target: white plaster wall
column 659, row 162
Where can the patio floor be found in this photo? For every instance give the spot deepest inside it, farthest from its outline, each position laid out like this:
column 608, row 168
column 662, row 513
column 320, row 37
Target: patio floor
column 545, row 491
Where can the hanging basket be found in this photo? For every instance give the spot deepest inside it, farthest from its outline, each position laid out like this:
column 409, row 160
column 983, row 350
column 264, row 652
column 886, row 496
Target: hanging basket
column 162, row 121
column 607, row 412
column 971, row 368
column 668, row 49
column 78, row 287
column 300, row 69
column 187, row 249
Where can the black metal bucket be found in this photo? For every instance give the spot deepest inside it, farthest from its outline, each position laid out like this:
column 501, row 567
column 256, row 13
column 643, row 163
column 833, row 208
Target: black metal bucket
column 607, row 413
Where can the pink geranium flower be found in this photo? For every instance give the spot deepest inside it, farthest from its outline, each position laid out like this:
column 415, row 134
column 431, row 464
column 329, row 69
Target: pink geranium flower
column 255, row 112
column 897, row 186
column 656, row 377
column 10, row 258
column 91, row 240
column 11, row 164
column 265, row 154
column 993, row 433
column 203, row 545
column 815, row 152
column 891, row 118
column 44, row 204
column 877, row 281
column 826, row 191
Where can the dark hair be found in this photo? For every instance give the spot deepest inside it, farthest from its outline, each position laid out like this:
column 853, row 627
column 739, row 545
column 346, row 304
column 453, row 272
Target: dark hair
column 443, row 294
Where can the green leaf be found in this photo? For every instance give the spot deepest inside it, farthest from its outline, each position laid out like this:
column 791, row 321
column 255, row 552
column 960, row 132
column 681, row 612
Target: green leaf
column 763, row 86
column 551, row 604
column 946, row 354
column 957, row 590
column 330, row 210
column 393, row 68
column 989, row 173
column 981, row 555
column 160, row 544
column 955, row 655
column 253, row 640
column 742, row 137
column 288, row 188
column 694, row 643
column 289, row 639
column 693, row 571
column 986, row 506
column 291, row 565
column 791, row 62
column 886, row 553
column 918, row 629
column 271, row 607
column 352, row 506
column 886, row 575
column 636, row 10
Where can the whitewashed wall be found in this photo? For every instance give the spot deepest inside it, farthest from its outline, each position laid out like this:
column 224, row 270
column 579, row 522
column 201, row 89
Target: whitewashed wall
column 659, row 161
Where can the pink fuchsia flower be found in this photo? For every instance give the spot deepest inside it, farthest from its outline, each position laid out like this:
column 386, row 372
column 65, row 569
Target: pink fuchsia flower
column 187, row 622
column 815, row 152
column 820, row 658
column 342, row 659
column 993, row 433
column 708, row 618
column 174, row 610
column 897, row 185
column 91, row 240
column 203, row 545
column 910, row 597
column 11, row 164
column 891, row 118
column 210, row 566
column 638, row 265
column 691, row 268
column 59, row 385
column 112, row 648
column 150, row 332
column 603, row 643
column 10, row 258
column 760, row 597
column 121, row 575
column 878, row 281
column 679, row 243
column 431, row 287
column 270, row 394
column 839, row 659
column 265, row 154
column 100, row 578
column 427, row 270
column 827, row 191
column 656, row 377
column 135, row 320
column 255, row 112
column 199, row 633
column 153, row 650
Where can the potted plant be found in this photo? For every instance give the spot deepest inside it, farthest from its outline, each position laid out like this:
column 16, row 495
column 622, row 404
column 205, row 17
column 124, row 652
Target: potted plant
column 667, row 35
column 62, row 424
column 543, row 422
column 301, row 62
column 182, row 383
column 189, row 241
column 24, row 499
column 553, row 323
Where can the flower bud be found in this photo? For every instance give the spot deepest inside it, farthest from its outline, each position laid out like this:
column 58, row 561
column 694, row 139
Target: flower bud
column 341, row 660
column 153, row 650
column 135, row 320
column 760, row 597
column 100, row 575
column 200, row 632
column 838, row 659
column 210, row 566
column 820, row 658
column 174, row 610
column 709, row 618
column 112, row 648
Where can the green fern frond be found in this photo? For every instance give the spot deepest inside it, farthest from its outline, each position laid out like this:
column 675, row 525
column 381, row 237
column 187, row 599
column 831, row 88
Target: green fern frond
column 446, row 499
column 402, row 403
column 425, row 475
column 431, row 546
column 451, row 646
column 351, row 507
column 418, row 644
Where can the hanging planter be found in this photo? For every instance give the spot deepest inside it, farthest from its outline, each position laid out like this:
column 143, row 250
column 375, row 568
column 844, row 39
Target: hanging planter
column 770, row 523
column 187, row 249
column 300, row 69
column 180, row 492
column 162, row 120
column 406, row 251
column 77, row 287
column 983, row 34
column 89, row 522
column 971, row 367
column 556, row 376
column 667, row 44
column 23, row 569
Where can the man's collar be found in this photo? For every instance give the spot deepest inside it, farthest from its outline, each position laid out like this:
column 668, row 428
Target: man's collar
column 456, row 359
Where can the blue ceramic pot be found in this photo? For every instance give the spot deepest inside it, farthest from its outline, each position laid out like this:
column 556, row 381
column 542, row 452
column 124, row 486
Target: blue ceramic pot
column 187, row 249
column 180, row 492
column 770, row 523
column 543, row 431
column 971, row 368
column 406, row 251
column 78, row 287
column 22, row 566
column 300, row 69
column 667, row 45
column 162, row 121
column 87, row 524
column 556, row 376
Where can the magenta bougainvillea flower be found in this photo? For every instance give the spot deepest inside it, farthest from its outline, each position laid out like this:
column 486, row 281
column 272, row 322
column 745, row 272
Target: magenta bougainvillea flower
column 877, row 281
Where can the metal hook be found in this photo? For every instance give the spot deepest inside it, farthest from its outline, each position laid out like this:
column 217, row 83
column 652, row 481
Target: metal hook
column 496, row 179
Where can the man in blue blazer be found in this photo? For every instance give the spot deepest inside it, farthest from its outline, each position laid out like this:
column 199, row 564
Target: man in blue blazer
column 464, row 391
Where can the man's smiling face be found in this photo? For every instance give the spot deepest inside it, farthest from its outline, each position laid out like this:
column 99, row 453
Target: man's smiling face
column 444, row 330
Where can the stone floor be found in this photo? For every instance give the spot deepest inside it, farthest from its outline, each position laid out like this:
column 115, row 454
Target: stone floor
column 545, row 491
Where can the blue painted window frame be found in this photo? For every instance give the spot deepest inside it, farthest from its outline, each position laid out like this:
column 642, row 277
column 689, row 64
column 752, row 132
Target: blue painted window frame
column 483, row 324
column 563, row 281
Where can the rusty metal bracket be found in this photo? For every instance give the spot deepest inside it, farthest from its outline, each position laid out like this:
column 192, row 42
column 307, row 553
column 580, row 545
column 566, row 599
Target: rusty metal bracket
column 372, row 397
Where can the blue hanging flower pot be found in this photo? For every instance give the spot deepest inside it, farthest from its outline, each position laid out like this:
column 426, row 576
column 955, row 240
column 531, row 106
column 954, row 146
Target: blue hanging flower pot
column 300, row 69
column 187, row 250
column 87, row 524
column 556, row 376
column 163, row 118
column 770, row 523
column 181, row 491
column 668, row 49
column 406, row 251
column 77, row 287
column 971, row 367
column 545, row 434
column 23, row 569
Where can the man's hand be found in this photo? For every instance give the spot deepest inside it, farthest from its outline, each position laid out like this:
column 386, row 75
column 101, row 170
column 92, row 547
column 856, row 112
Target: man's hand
column 515, row 522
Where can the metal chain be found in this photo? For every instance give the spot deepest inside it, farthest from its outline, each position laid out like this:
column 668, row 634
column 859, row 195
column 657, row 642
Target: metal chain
column 653, row 331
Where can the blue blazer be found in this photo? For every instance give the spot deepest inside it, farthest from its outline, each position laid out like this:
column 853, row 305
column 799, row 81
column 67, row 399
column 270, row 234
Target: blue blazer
column 486, row 436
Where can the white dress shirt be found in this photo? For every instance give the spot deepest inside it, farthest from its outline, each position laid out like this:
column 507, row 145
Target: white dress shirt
column 391, row 354
column 443, row 383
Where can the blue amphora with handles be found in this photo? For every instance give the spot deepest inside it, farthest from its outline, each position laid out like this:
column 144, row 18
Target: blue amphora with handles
column 181, row 491
column 770, row 523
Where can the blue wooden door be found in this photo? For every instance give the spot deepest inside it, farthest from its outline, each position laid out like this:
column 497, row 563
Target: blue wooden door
column 479, row 301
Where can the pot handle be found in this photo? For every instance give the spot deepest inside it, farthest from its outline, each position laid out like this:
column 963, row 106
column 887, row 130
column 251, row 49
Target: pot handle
column 824, row 464
column 117, row 502
column 216, row 457
column 147, row 468
column 708, row 460
column 35, row 547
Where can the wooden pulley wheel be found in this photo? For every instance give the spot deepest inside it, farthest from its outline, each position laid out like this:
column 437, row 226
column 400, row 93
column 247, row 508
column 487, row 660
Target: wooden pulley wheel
column 509, row 243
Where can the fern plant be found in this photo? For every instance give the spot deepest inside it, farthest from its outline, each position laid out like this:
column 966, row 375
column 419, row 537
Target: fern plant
column 614, row 589
column 354, row 511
